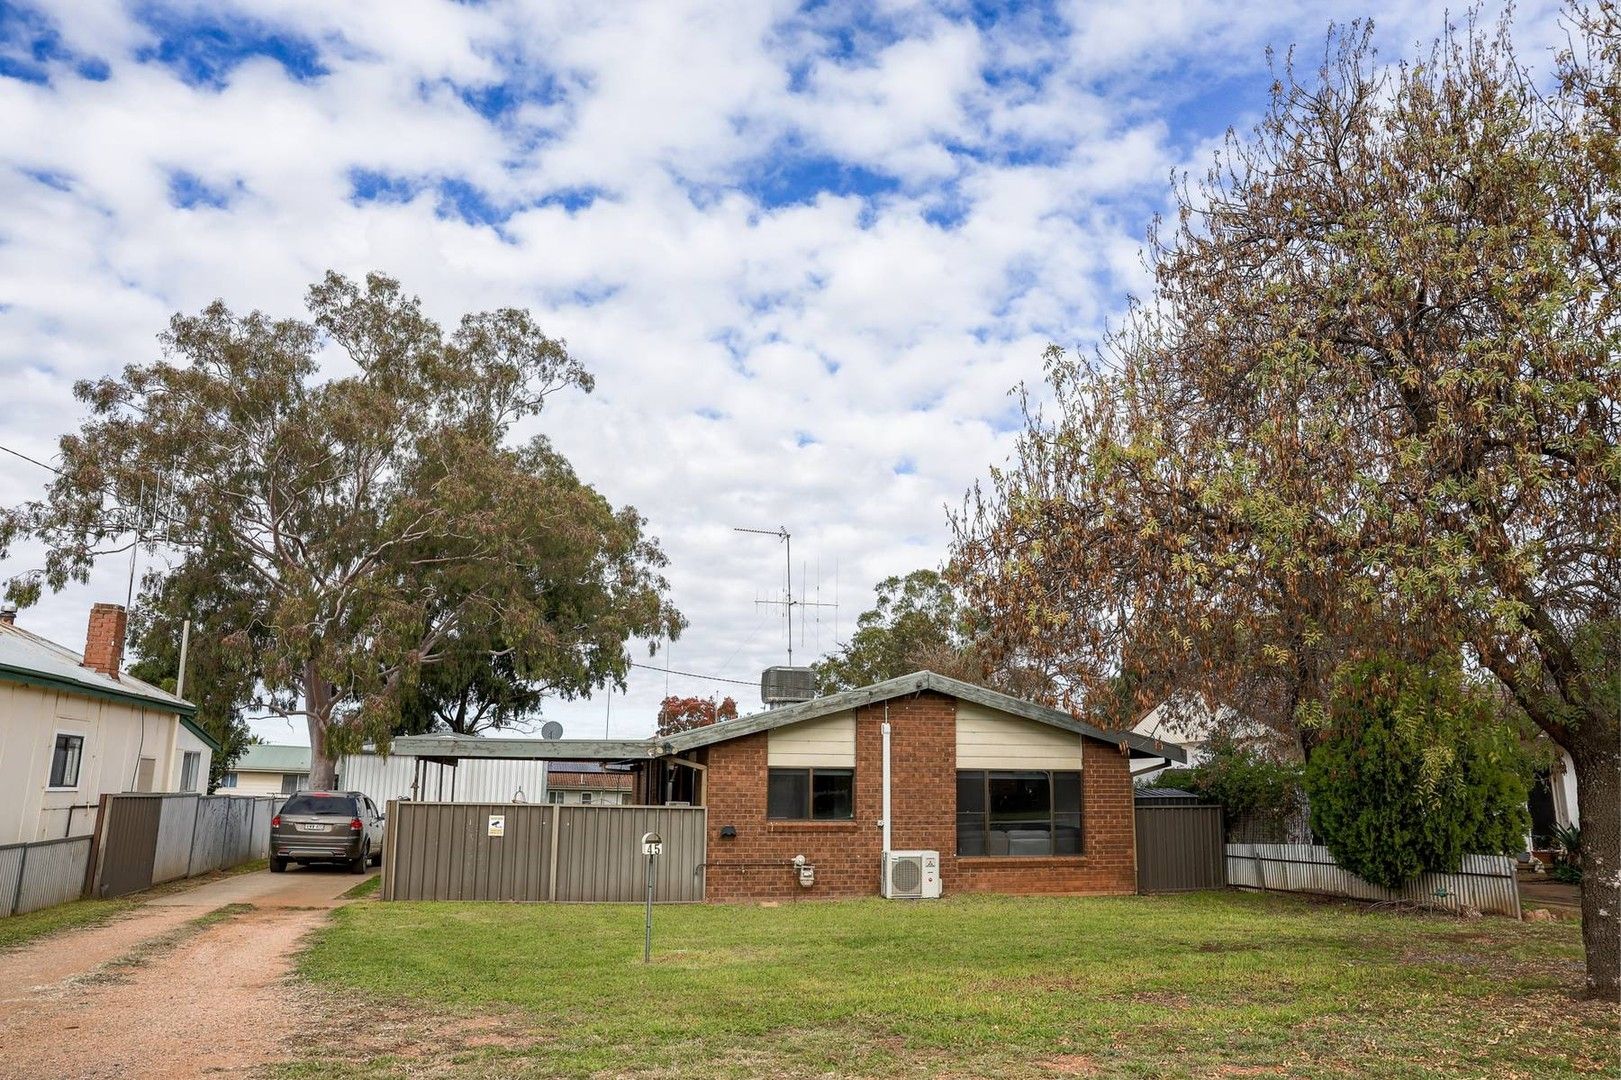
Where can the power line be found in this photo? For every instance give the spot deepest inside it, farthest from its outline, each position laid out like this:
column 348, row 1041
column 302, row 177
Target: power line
column 31, row 461
column 695, row 675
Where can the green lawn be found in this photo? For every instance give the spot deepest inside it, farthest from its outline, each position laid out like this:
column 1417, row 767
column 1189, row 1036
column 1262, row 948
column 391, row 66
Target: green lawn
column 1213, row 984
column 19, row 930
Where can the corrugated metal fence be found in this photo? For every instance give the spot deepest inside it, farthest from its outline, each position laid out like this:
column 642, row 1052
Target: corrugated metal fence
column 145, row 840
column 1483, row 882
column 42, row 874
column 1179, row 848
column 453, row 851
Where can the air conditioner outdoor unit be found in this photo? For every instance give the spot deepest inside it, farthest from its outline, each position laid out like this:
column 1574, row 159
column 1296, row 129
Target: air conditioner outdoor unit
column 912, row 875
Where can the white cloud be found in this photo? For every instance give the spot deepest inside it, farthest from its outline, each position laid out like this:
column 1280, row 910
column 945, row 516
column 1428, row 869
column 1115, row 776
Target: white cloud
column 988, row 188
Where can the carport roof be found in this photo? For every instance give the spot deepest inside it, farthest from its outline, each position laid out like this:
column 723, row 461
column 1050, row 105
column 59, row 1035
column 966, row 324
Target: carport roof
column 452, row 747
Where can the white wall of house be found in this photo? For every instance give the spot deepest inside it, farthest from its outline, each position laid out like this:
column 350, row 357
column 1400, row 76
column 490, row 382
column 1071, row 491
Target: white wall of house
column 125, row 748
column 192, row 757
column 577, row 797
column 255, row 783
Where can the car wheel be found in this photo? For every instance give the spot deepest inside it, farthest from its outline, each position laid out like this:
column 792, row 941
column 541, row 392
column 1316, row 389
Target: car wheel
column 362, row 860
column 278, row 866
column 377, row 858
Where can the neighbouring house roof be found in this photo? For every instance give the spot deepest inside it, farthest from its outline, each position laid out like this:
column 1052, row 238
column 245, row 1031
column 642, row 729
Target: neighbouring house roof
column 455, row 747
column 1165, row 794
column 553, row 767
column 917, row 682
column 265, row 757
column 31, row 660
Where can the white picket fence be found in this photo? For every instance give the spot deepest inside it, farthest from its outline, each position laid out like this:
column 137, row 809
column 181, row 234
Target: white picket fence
column 1485, row 883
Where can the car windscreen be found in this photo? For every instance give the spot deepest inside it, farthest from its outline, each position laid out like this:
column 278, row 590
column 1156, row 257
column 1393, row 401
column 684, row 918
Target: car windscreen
column 334, row 805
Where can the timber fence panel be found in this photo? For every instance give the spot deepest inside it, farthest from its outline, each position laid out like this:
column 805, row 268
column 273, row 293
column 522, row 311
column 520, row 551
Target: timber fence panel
column 1485, row 883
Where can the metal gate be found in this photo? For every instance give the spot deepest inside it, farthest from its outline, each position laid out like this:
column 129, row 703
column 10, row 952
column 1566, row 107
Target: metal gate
column 129, row 845
column 540, row 852
column 1180, row 848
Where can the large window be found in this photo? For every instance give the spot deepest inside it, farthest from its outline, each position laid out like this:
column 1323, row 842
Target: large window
column 65, row 760
column 1018, row 813
column 811, row 794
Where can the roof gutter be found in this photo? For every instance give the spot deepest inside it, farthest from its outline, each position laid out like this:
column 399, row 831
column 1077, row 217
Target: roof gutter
column 29, row 677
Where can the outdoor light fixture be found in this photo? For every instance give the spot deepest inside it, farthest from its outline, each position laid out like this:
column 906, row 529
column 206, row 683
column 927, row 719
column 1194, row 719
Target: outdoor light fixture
column 728, row 832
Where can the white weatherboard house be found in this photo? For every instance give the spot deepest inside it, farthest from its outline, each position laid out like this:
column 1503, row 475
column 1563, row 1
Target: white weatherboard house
column 73, row 728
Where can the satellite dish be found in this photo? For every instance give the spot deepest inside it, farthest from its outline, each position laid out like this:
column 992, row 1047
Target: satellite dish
column 551, row 729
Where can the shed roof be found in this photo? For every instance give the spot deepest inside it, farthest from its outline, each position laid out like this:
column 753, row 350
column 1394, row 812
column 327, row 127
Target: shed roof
column 29, row 659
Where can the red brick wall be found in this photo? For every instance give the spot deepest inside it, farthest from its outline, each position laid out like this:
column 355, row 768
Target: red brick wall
column 756, row 864
column 104, row 639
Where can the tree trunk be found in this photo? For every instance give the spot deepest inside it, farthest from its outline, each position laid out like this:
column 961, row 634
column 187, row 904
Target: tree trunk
column 318, row 706
column 1598, row 796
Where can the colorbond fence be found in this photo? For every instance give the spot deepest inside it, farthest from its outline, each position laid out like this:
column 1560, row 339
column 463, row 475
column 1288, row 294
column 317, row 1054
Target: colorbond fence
column 145, row 840
column 540, row 852
column 1179, row 848
column 140, row 841
column 42, row 874
column 1485, row 883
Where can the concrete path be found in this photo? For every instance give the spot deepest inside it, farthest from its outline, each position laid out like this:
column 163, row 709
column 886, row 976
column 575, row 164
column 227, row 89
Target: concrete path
column 158, row 994
column 299, row 887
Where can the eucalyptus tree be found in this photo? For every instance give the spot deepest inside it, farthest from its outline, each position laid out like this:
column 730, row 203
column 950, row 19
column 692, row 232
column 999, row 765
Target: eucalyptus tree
column 347, row 490
column 1372, row 406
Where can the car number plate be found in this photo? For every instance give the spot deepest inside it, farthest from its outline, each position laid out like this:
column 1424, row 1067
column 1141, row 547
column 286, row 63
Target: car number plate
column 314, row 828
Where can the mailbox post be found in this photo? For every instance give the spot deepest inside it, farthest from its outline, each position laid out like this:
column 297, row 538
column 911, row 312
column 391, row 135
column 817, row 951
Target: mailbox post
column 652, row 847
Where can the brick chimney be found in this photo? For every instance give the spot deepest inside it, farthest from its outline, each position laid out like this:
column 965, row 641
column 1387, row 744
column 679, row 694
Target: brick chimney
column 8, row 616
column 104, row 640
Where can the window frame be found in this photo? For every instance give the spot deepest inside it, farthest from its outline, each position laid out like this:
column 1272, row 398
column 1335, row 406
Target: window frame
column 1053, row 813
column 192, row 761
column 809, row 808
column 228, row 779
column 57, row 736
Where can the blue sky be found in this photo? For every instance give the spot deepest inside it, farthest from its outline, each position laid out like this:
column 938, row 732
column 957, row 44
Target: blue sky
column 806, row 249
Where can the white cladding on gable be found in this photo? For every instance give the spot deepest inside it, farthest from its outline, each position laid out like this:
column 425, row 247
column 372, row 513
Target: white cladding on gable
column 990, row 739
column 827, row 742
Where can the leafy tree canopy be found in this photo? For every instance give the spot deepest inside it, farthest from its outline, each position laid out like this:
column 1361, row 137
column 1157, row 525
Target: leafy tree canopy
column 342, row 492
column 1373, row 403
column 678, row 714
column 919, row 623
column 1418, row 768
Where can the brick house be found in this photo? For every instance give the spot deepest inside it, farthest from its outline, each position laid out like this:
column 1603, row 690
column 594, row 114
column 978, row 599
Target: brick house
column 1015, row 797
column 588, row 783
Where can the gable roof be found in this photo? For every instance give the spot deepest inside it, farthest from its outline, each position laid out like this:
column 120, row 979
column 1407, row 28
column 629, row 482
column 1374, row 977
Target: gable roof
column 35, row 661
column 914, row 683
column 265, row 757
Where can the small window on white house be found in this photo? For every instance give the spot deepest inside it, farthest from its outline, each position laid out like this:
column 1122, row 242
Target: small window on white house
column 228, row 780
column 190, row 763
column 65, row 760
column 291, row 782
column 585, row 796
column 554, row 796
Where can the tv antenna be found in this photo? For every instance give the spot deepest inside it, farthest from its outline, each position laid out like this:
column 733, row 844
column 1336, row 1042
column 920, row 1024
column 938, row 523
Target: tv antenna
column 781, row 533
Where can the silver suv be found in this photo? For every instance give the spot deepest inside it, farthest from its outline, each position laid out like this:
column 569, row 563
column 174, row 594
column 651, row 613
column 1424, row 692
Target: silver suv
column 326, row 827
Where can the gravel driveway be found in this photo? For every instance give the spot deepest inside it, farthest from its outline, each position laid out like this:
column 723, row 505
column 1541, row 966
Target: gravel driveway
column 157, row 993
